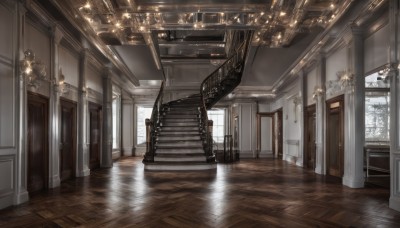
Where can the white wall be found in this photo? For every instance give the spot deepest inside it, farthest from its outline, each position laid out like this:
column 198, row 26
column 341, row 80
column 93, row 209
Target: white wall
column 247, row 114
column 311, row 83
column 266, row 135
column 128, row 134
column 69, row 64
column 94, row 78
column 12, row 155
column 376, row 49
column 336, row 62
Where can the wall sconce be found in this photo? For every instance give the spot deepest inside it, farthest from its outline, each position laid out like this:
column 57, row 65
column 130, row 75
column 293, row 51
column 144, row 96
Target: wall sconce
column 32, row 70
column 386, row 73
column 345, row 78
column 61, row 86
column 318, row 91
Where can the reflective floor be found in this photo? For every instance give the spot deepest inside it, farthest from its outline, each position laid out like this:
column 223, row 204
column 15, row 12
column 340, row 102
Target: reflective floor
column 250, row 193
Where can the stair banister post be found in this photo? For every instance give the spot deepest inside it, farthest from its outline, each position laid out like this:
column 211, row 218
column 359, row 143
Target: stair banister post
column 209, row 136
column 149, row 156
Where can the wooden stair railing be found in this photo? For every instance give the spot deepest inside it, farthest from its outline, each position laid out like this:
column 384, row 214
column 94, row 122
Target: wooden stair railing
column 219, row 83
column 152, row 125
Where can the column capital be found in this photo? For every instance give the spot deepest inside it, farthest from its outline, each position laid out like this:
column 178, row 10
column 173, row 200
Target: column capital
column 356, row 30
column 57, row 33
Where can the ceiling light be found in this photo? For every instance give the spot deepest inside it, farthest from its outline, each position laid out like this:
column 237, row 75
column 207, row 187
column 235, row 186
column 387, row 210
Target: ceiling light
column 282, row 13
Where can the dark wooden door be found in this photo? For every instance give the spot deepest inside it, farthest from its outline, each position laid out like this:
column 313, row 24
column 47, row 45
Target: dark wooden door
column 279, row 134
column 310, row 137
column 94, row 135
column 335, row 136
column 37, row 142
column 67, row 141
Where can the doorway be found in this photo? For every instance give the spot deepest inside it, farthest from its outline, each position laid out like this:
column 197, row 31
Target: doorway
column 335, row 136
column 38, row 161
column 279, row 134
column 265, row 133
column 94, row 135
column 68, row 139
column 310, row 137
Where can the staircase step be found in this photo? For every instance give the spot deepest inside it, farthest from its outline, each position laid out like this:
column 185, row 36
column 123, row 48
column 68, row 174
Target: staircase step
column 180, row 116
column 181, row 151
column 179, row 166
column 200, row 158
column 179, row 144
column 179, row 133
column 161, row 138
column 181, row 124
column 179, row 128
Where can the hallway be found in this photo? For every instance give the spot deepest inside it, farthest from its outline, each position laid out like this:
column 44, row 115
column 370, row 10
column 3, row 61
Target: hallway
column 250, row 193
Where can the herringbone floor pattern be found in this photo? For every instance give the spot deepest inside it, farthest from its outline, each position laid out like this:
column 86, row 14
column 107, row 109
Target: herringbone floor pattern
column 251, row 193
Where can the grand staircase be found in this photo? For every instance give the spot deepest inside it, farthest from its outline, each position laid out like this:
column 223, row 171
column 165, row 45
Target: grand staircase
column 179, row 142
column 179, row 135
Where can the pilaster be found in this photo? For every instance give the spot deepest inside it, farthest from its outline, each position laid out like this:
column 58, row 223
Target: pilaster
column 128, row 123
column 354, row 116
column 106, row 155
column 83, row 154
column 54, row 116
column 302, row 102
column 320, row 115
column 20, row 185
column 394, row 21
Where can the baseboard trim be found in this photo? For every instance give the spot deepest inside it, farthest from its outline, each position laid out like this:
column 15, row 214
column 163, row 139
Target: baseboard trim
column 394, row 203
column 353, row 183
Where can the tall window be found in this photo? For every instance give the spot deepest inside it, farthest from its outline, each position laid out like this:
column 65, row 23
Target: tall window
column 377, row 108
column 218, row 118
column 116, row 107
column 143, row 113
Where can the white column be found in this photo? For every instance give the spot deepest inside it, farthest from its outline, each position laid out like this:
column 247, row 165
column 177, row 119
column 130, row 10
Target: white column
column 303, row 97
column 320, row 117
column 394, row 22
column 83, row 154
column 106, row 155
column 20, row 191
column 128, row 124
column 54, row 115
column 354, row 117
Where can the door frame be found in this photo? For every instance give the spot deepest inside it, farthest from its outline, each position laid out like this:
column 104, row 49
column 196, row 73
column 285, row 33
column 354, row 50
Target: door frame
column 309, row 109
column 259, row 116
column 279, row 125
column 339, row 99
column 70, row 104
column 31, row 96
column 99, row 107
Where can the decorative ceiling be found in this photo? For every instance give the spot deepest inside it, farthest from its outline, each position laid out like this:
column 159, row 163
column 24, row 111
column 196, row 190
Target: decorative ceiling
column 177, row 32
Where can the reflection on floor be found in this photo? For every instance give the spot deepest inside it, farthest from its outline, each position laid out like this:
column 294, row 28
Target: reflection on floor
column 250, row 193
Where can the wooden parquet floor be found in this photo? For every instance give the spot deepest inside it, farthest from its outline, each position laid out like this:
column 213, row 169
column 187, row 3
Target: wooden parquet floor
column 251, row 193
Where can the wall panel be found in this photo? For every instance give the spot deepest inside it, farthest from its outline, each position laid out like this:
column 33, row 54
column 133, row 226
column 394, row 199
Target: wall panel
column 6, row 175
column 94, row 79
column 7, row 107
column 336, row 62
column 376, row 49
column 38, row 41
column 69, row 65
column 6, row 40
column 311, row 83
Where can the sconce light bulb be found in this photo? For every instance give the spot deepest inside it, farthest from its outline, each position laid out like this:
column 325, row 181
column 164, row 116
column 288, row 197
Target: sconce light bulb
column 28, row 70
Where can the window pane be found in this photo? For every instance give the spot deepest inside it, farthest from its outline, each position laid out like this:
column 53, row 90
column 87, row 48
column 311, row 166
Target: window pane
column 218, row 118
column 377, row 121
column 143, row 113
